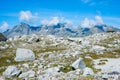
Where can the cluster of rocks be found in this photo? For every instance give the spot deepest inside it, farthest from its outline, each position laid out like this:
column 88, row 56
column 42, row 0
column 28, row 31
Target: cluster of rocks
column 53, row 58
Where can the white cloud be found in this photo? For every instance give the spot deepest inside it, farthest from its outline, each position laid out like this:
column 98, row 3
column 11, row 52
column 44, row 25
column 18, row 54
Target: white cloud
column 27, row 16
column 99, row 20
column 88, row 23
column 4, row 26
column 55, row 21
column 44, row 22
column 85, row 1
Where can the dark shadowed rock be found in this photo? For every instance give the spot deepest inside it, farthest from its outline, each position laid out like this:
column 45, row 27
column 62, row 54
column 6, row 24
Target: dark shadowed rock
column 2, row 37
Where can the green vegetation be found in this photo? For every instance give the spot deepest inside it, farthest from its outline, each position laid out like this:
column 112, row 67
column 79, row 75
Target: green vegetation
column 89, row 63
column 1, row 71
column 66, row 69
column 101, row 63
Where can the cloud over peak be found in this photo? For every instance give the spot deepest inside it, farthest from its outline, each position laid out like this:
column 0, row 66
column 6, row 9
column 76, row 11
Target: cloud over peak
column 55, row 20
column 26, row 16
column 99, row 20
column 88, row 23
column 4, row 26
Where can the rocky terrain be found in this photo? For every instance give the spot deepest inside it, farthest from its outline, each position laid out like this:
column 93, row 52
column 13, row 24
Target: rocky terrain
column 37, row 57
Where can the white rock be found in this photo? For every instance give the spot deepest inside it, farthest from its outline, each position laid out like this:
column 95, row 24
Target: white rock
column 11, row 71
column 105, row 76
column 27, row 74
column 78, row 71
column 97, row 49
column 24, row 37
column 24, row 55
column 79, row 64
column 44, row 77
column 88, row 71
column 2, row 78
column 85, row 44
column 10, row 39
column 33, row 38
column 112, row 64
column 52, row 70
column 16, row 37
column 26, row 65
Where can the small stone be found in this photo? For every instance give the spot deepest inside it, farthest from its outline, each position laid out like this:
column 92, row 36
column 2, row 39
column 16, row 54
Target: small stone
column 88, row 71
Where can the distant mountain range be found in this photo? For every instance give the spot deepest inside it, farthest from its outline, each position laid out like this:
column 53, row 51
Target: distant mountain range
column 61, row 29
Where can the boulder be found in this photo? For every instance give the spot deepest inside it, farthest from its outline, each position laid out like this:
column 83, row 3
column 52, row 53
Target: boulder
column 97, row 49
column 33, row 38
column 30, row 74
column 105, row 77
column 88, row 71
column 24, row 55
column 79, row 64
column 11, row 71
column 52, row 70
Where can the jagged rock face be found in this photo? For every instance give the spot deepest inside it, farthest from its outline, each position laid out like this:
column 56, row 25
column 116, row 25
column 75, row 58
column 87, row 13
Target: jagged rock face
column 24, row 55
column 59, row 29
column 2, row 37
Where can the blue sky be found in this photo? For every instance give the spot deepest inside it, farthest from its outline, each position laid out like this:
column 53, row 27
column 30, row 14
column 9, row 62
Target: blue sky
column 36, row 12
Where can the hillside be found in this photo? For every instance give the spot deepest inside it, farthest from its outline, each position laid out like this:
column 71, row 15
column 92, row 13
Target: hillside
column 57, row 58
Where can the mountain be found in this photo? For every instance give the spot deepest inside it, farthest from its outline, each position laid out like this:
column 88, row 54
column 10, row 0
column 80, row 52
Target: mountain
column 2, row 37
column 96, row 29
column 61, row 29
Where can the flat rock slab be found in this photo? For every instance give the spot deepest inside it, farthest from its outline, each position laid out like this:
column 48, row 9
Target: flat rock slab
column 24, row 55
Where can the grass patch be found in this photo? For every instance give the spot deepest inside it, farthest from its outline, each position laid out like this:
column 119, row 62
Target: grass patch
column 101, row 63
column 3, row 61
column 66, row 69
column 89, row 63
column 1, row 71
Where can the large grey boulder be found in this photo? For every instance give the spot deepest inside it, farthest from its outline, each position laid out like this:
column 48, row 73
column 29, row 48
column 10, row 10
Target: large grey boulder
column 11, row 71
column 24, row 55
column 88, row 71
column 79, row 64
